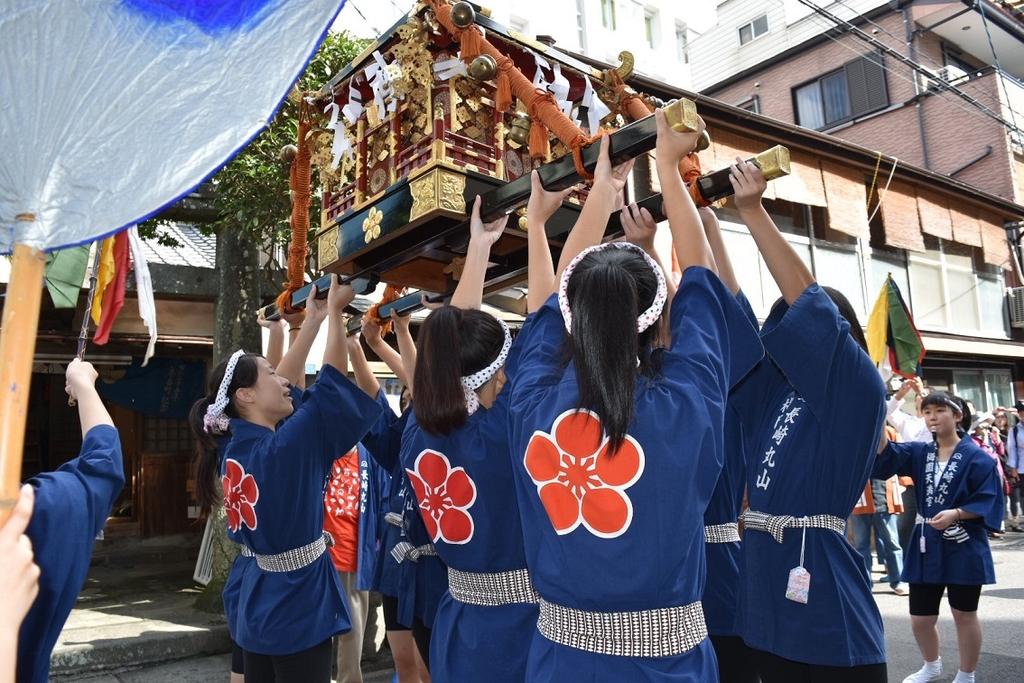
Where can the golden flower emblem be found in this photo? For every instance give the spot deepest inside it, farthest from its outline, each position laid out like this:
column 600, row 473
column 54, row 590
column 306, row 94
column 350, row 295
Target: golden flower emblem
column 371, row 225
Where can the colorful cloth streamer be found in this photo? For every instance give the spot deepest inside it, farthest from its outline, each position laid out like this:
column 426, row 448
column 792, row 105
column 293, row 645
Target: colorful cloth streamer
column 893, row 339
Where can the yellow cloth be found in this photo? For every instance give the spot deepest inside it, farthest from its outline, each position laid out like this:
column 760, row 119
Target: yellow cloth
column 103, row 277
column 878, row 325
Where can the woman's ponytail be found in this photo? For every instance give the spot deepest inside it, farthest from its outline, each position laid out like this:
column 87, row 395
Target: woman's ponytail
column 206, row 459
column 606, row 293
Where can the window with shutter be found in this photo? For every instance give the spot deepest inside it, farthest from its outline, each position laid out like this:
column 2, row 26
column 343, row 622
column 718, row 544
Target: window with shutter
column 857, row 88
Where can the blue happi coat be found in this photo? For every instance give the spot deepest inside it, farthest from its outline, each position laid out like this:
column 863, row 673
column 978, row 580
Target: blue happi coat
column 626, row 533
column 71, row 506
column 970, row 482
column 277, row 479
column 462, row 486
column 723, row 559
column 812, row 414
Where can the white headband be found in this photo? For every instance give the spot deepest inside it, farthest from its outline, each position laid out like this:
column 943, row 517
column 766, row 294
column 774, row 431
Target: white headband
column 215, row 421
column 470, row 383
column 647, row 318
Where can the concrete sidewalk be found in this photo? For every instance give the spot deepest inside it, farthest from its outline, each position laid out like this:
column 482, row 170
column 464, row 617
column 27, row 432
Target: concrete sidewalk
column 137, row 608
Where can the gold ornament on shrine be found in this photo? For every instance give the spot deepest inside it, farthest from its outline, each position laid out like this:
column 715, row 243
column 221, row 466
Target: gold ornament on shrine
column 463, row 14
column 519, row 133
column 483, row 68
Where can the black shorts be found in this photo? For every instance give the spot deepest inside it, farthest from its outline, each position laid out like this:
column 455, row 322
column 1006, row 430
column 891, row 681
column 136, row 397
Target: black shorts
column 926, row 597
column 391, row 614
column 237, row 659
column 775, row 669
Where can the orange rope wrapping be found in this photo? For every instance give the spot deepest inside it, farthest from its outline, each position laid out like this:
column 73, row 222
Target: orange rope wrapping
column 391, row 293
column 544, row 111
column 299, row 182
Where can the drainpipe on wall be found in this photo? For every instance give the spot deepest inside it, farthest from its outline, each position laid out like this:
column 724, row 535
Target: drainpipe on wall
column 918, row 105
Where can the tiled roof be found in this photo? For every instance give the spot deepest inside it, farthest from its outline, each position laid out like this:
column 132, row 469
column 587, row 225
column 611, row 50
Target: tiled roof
column 195, row 249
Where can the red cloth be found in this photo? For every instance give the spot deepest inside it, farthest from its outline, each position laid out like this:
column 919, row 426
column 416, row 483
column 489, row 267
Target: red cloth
column 341, row 511
column 113, row 297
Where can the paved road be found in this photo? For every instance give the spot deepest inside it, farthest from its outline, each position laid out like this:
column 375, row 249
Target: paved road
column 1001, row 609
column 1002, row 622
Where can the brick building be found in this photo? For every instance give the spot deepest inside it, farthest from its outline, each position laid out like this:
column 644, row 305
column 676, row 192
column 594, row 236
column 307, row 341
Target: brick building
column 841, row 68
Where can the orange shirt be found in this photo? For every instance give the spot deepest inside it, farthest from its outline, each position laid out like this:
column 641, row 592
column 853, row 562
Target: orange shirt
column 341, row 511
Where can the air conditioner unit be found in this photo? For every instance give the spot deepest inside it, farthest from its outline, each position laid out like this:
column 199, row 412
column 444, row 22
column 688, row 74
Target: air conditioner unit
column 930, row 81
column 1015, row 299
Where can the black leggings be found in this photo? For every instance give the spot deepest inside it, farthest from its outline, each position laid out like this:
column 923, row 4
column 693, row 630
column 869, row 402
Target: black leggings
column 421, row 634
column 775, row 669
column 736, row 661
column 309, row 666
column 926, row 597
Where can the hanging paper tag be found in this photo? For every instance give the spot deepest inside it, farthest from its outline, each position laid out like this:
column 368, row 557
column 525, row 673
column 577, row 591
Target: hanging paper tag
column 799, row 585
column 922, row 540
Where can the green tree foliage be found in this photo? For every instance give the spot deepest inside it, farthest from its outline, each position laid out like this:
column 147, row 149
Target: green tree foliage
column 250, row 193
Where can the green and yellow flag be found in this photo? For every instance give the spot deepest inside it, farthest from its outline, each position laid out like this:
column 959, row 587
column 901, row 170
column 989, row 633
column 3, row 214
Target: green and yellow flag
column 893, row 339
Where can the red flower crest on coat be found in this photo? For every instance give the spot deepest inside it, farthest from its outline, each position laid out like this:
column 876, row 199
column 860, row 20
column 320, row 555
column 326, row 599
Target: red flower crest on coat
column 578, row 480
column 444, row 494
column 240, row 496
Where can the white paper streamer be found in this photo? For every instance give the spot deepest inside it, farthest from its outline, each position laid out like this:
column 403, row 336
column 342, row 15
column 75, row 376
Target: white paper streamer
column 340, row 146
column 596, row 109
column 354, row 109
column 538, row 76
column 449, row 68
column 560, row 89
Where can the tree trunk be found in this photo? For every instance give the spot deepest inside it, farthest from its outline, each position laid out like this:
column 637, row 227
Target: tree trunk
column 238, row 285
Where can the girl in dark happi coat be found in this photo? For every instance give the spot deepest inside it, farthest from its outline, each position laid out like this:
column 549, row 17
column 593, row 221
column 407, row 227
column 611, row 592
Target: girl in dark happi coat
column 958, row 497
column 812, row 413
column 290, row 602
column 611, row 505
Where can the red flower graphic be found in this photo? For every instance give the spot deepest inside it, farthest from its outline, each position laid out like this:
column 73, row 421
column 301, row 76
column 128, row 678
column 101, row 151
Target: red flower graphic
column 444, row 493
column 240, row 496
column 577, row 479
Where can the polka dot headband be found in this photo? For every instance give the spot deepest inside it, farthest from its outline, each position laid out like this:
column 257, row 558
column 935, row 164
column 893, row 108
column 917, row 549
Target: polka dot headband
column 647, row 318
column 215, row 421
column 470, row 383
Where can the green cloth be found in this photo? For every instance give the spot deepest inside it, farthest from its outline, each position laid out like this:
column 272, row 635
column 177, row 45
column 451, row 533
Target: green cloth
column 65, row 272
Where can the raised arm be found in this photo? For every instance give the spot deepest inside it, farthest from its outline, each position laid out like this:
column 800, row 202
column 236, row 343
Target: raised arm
column 365, row 378
column 371, row 333
column 80, row 385
column 713, row 231
column 275, row 344
column 605, row 195
column 406, row 349
column 787, row 268
column 691, row 244
column 470, row 291
column 541, row 277
column 640, row 229
column 293, row 366
column 336, row 352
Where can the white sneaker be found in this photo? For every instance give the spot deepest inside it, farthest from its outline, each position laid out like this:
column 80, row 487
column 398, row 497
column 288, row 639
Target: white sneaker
column 931, row 671
column 964, row 677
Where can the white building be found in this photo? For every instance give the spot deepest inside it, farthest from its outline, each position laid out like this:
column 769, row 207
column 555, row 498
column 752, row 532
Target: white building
column 657, row 32
column 745, row 33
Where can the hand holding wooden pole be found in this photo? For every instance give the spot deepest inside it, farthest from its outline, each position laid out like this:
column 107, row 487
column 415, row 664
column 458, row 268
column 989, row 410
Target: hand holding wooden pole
column 17, row 349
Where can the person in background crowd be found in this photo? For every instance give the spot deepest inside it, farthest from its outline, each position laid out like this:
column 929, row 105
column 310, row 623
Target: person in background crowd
column 391, row 579
column 909, row 427
column 71, row 506
column 985, row 436
column 351, row 503
column 958, row 497
column 1014, row 450
column 877, row 511
column 19, row 579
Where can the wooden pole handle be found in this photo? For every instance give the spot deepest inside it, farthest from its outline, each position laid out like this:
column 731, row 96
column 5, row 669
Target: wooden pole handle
column 17, row 349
